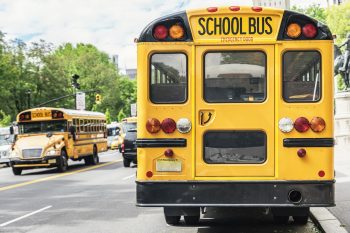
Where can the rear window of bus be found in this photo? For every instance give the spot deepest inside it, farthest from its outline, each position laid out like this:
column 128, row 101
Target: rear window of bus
column 301, row 76
column 235, row 76
column 168, row 78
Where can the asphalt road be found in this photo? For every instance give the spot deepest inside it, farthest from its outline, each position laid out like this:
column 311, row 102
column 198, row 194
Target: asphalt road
column 102, row 199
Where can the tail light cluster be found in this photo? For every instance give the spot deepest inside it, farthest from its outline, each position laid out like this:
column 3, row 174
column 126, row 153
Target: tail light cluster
column 302, row 124
column 168, row 125
column 174, row 31
column 301, row 27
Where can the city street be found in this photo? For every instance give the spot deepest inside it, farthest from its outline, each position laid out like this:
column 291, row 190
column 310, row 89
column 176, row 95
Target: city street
column 102, row 199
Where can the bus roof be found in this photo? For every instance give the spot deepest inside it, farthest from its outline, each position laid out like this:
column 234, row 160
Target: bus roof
column 69, row 112
column 234, row 25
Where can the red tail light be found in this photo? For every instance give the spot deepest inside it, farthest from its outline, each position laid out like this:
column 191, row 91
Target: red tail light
column 301, row 124
column 317, row 124
column 309, row 30
column 160, row 32
column 122, row 146
column 168, row 125
column 153, row 125
column 301, row 152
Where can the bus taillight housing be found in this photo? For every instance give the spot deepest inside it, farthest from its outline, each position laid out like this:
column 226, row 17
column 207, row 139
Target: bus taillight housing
column 153, row 125
column 160, row 32
column 317, row 124
column 309, row 30
column 168, row 125
column 301, row 124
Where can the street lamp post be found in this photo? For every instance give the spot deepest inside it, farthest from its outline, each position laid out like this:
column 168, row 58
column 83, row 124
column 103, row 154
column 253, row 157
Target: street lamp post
column 28, row 93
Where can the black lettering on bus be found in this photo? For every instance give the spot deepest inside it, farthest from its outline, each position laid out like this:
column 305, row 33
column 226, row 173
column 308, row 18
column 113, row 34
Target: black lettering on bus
column 200, row 22
column 208, row 31
column 234, row 25
column 260, row 25
column 226, row 26
column 269, row 30
column 241, row 26
column 252, row 23
column 217, row 26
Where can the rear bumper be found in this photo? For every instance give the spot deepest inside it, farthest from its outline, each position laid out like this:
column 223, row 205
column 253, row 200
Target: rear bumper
column 254, row 194
column 131, row 155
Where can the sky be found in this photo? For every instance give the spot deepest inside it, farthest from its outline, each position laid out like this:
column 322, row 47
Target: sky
column 111, row 25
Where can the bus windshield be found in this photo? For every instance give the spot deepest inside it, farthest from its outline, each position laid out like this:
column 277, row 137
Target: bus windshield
column 112, row 131
column 42, row 127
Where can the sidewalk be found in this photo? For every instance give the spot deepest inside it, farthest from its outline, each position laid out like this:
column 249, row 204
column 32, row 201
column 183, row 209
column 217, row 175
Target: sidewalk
column 342, row 186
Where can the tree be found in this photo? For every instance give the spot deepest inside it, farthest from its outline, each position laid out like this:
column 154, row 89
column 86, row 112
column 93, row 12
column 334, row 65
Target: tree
column 108, row 116
column 314, row 11
column 121, row 115
column 338, row 20
column 5, row 120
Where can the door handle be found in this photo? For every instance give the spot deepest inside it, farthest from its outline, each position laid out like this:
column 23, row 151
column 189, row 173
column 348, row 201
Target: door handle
column 201, row 118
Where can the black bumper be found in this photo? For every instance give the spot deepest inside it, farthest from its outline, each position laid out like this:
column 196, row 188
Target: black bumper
column 41, row 161
column 254, row 194
column 130, row 155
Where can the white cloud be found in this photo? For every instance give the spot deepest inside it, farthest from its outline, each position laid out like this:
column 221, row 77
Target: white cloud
column 110, row 25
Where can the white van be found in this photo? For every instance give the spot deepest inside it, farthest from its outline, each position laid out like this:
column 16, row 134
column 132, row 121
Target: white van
column 6, row 140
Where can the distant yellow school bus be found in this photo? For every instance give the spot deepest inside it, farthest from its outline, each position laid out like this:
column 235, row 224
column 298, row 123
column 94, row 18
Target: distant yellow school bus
column 235, row 108
column 48, row 137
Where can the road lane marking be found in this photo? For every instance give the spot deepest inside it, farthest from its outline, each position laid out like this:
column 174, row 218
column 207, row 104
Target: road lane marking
column 56, row 176
column 343, row 179
column 25, row 216
column 128, row 177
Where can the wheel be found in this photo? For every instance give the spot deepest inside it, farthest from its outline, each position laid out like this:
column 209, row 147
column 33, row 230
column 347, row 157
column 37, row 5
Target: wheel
column 95, row 159
column 126, row 162
column 302, row 220
column 192, row 220
column 17, row 171
column 63, row 162
column 172, row 220
column 280, row 219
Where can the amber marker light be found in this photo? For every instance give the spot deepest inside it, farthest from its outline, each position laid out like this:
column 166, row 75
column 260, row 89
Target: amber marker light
column 176, row 32
column 317, row 124
column 293, row 30
column 153, row 125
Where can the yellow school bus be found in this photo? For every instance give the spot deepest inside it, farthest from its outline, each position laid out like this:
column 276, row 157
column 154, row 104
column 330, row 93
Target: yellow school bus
column 48, row 137
column 235, row 109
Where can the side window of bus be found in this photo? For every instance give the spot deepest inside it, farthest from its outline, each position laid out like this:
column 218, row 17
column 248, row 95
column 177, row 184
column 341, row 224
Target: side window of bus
column 82, row 125
column 168, row 78
column 301, row 76
column 235, row 76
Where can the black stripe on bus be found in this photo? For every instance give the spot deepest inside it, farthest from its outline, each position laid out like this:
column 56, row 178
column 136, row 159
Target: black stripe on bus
column 161, row 142
column 308, row 142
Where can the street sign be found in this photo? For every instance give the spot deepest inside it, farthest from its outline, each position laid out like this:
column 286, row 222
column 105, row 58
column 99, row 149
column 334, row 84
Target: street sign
column 133, row 110
column 80, row 100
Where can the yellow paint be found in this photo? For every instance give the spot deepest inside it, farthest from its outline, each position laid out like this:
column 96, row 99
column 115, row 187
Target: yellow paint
column 282, row 163
column 56, row 176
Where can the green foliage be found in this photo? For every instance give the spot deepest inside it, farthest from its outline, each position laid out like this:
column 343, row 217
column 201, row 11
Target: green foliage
column 338, row 20
column 340, row 83
column 121, row 115
column 315, row 11
column 108, row 116
column 5, row 120
column 46, row 71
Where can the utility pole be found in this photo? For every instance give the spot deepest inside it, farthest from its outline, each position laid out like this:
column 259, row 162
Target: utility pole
column 76, row 87
column 28, row 93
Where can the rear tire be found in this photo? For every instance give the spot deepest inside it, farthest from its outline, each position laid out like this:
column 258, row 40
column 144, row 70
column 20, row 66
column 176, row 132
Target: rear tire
column 172, row 220
column 17, row 171
column 126, row 162
column 301, row 220
column 280, row 219
column 192, row 220
column 63, row 162
column 92, row 159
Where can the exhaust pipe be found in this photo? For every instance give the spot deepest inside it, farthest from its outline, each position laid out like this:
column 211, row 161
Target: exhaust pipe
column 295, row 196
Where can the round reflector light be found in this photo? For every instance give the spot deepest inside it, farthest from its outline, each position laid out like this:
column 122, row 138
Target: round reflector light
column 176, row 32
column 168, row 125
column 257, row 8
column 160, row 32
column 301, row 152
column 321, row 173
column 168, row 152
column 149, row 174
column 212, row 9
column 309, row 30
column 183, row 125
column 234, row 8
column 153, row 125
column 301, row 124
column 317, row 124
column 285, row 124
column 293, row 30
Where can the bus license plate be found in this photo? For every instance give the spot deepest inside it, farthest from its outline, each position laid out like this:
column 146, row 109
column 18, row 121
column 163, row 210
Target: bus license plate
column 168, row 165
column 52, row 160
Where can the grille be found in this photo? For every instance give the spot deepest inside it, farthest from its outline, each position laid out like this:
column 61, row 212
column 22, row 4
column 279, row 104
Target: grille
column 31, row 153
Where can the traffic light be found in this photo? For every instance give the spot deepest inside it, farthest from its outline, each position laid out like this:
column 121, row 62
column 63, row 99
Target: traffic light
column 75, row 83
column 98, row 98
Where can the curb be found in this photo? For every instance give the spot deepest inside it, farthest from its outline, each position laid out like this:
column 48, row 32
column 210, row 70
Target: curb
column 326, row 221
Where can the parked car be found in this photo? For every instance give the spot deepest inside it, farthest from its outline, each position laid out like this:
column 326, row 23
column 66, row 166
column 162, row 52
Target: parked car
column 6, row 140
column 128, row 147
